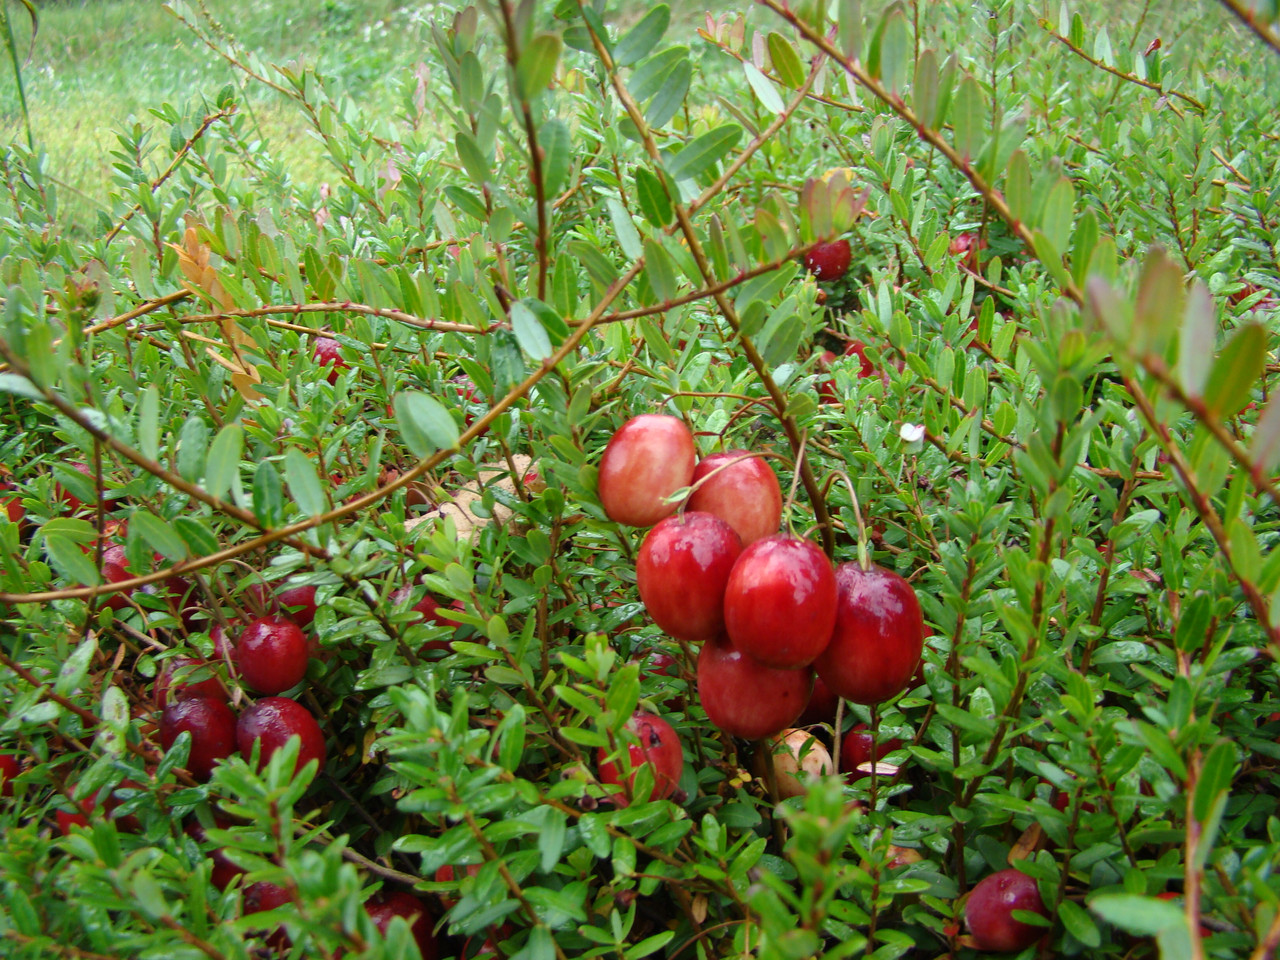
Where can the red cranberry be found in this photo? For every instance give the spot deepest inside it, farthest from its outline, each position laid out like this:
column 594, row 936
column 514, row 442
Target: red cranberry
column 8, row 770
column 263, row 896
column 224, row 871
column 856, row 749
column 829, row 261
column 448, row 874
column 397, row 903
column 271, row 654
column 173, row 683
column 212, row 726
column 659, row 746
column 328, row 353
column 273, row 720
column 989, row 911
column 299, row 604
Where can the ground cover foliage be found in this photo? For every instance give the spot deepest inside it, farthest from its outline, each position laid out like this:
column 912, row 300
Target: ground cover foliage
column 1063, row 229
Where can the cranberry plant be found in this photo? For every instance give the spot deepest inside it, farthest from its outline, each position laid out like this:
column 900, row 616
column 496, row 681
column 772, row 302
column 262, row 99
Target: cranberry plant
column 1026, row 372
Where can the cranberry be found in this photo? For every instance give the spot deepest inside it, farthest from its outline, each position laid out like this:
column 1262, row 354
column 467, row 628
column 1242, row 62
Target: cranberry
column 856, row 748
column 745, row 493
column 822, row 705
column 743, row 697
column 273, row 720
column 173, row 683
column 647, row 460
column 271, row 654
column 878, row 637
column 327, row 352
column 659, row 746
column 8, row 770
column 263, row 896
column 989, row 911
column 829, row 261
column 212, row 726
column 300, row 604
column 682, row 570
column 780, row 603
column 397, row 903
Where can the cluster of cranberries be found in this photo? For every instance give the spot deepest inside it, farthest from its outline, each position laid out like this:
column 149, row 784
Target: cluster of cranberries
column 768, row 608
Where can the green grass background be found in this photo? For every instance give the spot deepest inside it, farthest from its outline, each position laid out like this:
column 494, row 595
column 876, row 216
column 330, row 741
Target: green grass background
column 98, row 66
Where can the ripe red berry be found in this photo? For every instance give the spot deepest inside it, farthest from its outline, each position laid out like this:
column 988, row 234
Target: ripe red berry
column 829, row 261
column 262, row 896
column 856, row 749
column 115, row 568
column 327, row 352
column 175, row 682
column 8, row 770
column 273, row 720
column 989, row 911
column 822, row 705
column 448, row 874
column 681, row 571
column 878, row 637
column 743, row 697
column 212, row 726
column 271, row 654
column 224, row 871
column 299, row 604
column 659, row 746
column 386, row 906
column 780, row 603
column 647, row 460
column 745, row 493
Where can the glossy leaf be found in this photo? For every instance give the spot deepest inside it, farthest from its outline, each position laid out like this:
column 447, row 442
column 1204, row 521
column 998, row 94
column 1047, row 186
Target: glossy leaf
column 704, row 152
column 643, row 37
column 770, row 99
column 1198, row 339
column 304, row 483
column 268, row 495
column 425, row 423
column 537, row 65
column 786, row 62
column 159, row 535
column 969, row 117
column 1236, row 371
column 530, row 334
column 223, row 464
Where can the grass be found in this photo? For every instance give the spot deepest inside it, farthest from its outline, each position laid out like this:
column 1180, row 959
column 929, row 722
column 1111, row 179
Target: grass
column 98, row 66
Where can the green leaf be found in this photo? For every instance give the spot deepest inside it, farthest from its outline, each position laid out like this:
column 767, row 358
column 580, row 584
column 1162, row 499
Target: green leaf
column 224, row 460
column 1264, row 447
column 268, row 495
column 557, row 155
column 924, row 88
column 70, row 561
column 1058, row 214
column 73, row 670
column 895, row 51
column 425, row 424
column 657, row 72
column 1236, row 371
column 1216, row 774
column 197, row 536
column 537, row 65
column 1142, row 916
column 161, row 537
column 660, row 270
column 703, row 153
column 969, row 117
column 1159, row 307
column 643, row 37
column 551, row 839
column 472, row 159
column 770, row 99
column 654, row 202
column 19, row 386
column 786, row 62
column 193, row 448
column 667, row 101
column 530, row 333
column 1017, row 187
column 149, row 423
column 1079, row 924
column 624, row 228
column 148, row 895
column 304, row 483
column 1197, row 340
